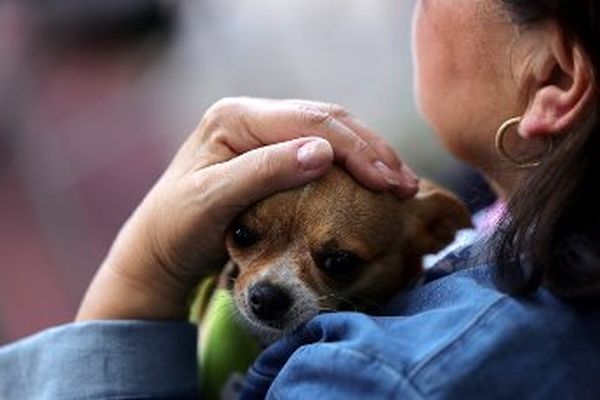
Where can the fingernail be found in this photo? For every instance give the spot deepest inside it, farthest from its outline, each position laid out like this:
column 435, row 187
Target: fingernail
column 409, row 176
column 391, row 177
column 314, row 154
column 402, row 179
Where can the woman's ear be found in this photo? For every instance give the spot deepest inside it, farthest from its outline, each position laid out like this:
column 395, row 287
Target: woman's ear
column 561, row 82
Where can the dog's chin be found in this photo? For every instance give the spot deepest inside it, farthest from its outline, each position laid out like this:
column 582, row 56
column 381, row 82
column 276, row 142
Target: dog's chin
column 267, row 333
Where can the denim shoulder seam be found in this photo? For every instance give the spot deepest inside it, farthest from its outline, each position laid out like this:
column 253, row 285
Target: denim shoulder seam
column 481, row 316
column 401, row 377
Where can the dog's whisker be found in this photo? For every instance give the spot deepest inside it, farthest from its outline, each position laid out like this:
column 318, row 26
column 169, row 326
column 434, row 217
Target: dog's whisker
column 336, row 296
column 325, row 296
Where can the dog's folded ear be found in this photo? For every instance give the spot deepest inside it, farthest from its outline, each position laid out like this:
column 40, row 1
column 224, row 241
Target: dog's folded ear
column 439, row 216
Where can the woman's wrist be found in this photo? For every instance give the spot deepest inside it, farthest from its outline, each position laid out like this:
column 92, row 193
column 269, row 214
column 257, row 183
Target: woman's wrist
column 132, row 283
column 115, row 293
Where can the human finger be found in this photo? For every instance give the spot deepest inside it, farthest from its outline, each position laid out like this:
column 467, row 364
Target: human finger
column 260, row 172
column 381, row 146
column 259, row 122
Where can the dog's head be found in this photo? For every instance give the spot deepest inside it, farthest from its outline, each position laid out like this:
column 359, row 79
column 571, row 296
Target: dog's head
column 333, row 245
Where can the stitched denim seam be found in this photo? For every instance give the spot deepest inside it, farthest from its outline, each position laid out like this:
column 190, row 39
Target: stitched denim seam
column 477, row 320
column 371, row 357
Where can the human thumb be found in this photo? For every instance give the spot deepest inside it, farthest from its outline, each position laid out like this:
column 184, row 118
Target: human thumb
column 261, row 172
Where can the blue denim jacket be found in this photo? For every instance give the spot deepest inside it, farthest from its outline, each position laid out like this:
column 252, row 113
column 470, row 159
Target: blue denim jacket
column 453, row 337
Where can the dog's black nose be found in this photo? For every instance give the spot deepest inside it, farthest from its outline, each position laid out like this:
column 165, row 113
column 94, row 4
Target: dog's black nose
column 269, row 302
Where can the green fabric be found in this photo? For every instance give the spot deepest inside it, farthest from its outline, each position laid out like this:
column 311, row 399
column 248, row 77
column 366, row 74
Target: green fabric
column 224, row 346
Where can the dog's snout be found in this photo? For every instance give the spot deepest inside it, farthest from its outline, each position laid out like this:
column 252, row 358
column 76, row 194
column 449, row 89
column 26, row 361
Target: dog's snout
column 269, row 302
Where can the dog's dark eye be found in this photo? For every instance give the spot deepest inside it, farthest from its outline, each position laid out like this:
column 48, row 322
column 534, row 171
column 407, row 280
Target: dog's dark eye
column 339, row 263
column 243, row 236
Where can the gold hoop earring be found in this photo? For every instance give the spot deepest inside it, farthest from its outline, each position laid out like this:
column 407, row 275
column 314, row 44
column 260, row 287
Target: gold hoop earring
column 501, row 147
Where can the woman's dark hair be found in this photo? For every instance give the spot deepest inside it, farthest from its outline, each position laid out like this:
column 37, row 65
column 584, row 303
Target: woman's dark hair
column 552, row 236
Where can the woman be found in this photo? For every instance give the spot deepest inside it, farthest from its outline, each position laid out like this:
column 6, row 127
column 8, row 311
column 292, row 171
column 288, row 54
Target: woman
column 511, row 87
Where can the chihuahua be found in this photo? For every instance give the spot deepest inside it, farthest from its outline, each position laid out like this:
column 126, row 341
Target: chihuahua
column 332, row 245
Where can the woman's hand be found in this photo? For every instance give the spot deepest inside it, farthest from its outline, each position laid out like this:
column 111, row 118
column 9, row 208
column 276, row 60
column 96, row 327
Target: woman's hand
column 242, row 151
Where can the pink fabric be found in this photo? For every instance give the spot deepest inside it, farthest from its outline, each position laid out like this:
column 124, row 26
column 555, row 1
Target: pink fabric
column 487, row 220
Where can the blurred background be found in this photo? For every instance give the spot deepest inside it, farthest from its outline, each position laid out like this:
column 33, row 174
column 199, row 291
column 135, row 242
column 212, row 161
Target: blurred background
column 95, row 97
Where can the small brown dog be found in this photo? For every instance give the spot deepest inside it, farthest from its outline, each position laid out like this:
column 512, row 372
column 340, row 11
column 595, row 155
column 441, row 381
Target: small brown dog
column 332, row 245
